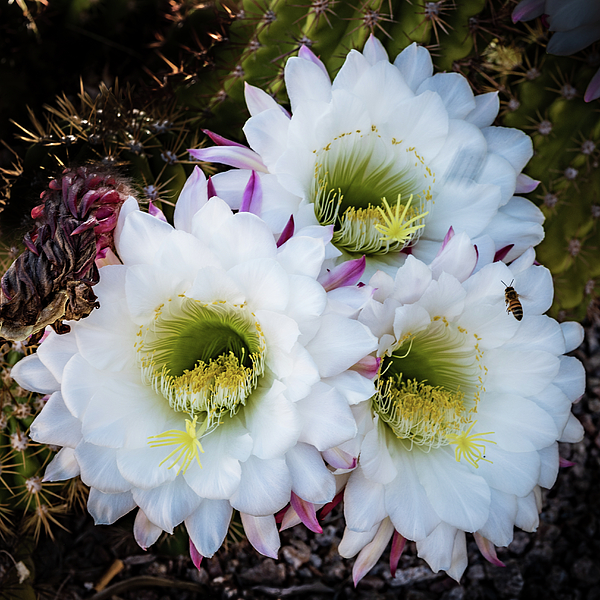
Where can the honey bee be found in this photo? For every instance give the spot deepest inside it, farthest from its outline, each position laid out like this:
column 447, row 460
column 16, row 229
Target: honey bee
column 513, row 305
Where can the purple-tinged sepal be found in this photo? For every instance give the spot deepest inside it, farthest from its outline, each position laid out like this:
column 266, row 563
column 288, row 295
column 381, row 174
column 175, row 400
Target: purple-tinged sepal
column 195, row 555
column 252, row 198
column 307, row 513
column 488, row 550
column 347, row 273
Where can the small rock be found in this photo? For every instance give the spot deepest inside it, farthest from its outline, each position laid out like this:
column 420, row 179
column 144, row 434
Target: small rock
column 412, row 575
column 557, row 578
column 456, row 593
column 337, row 570
column 475, row 573
column 267, row 572
column 316, row 561
column 418, row 595
column 586, row 570
column 508, row 581
column 519, row 543
column 327, row 537
column 373, row 583
column 198, row 575
column 213, row 567
column 296, row 555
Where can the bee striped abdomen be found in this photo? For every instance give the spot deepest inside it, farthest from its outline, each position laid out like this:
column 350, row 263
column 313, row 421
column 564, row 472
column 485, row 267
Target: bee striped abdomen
column 513, row 304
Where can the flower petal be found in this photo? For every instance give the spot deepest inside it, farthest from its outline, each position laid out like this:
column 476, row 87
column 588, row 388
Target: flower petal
column 364, row 502
column 340, row 343
column 207, row 526
column 108, row 508
column 466, row 498
column 56, row 425
column 234, row 156
column 370, row 554
column 145, row 532
column 63, row 466
column 335, row 423
column 169, row 504
column 262, row 534
column 192, row 198
column 31, row 373
column 311, row 480
column 265, row 487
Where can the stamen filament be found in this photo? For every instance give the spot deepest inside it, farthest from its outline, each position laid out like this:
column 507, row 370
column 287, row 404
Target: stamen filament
column 395, row 228
column 467, row 446
column 188, row 444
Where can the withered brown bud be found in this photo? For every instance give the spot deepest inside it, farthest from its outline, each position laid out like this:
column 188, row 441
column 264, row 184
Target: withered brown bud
column 53, row 278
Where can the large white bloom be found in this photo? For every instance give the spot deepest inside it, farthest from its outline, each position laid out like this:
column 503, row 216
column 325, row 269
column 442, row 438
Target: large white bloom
column 422, row 142
column 210, row 378
column 471, row 403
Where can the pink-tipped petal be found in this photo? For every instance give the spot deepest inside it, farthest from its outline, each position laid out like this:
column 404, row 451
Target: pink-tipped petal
column 287, row 233
column 290, row 519
column 306, row 53
column 527, row 10
column 525, row 184
column 368, row 366
column 234, row 156
column 501, row 254
column 219, row 140
column 307, row 513
column 252, row 198
column 488, row 550
column 339, row 459
column 281, row 514
column 369, row 555
column 259, row 101
column 398, row 543
column 144, row 531
column 262, row 533
column 563, row 462
column 156, row 212
column 348, row 273
column 592, row 91
column 195, row 555
column 331, row 505
column 449, row 235
column 457, row 258
column 210, row 189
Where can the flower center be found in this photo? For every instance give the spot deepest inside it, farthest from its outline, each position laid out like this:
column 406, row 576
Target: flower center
column 205, row 359
column 354, row 175
column 429, row 389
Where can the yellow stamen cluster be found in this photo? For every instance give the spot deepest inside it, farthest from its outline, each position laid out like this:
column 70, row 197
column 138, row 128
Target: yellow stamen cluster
column 358, row 233
column 188, row 445
column 432, row 416
column 219, row 386
column 327, row 203
column 470, row 446
column 399, row 225
column 419, row 413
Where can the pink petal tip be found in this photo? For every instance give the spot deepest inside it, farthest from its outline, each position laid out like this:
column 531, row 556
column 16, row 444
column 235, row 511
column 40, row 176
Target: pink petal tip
column 307, row 513
column 398, row 544
column 195, row 555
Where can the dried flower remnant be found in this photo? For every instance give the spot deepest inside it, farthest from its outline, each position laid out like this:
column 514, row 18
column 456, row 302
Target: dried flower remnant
column 53, row 278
